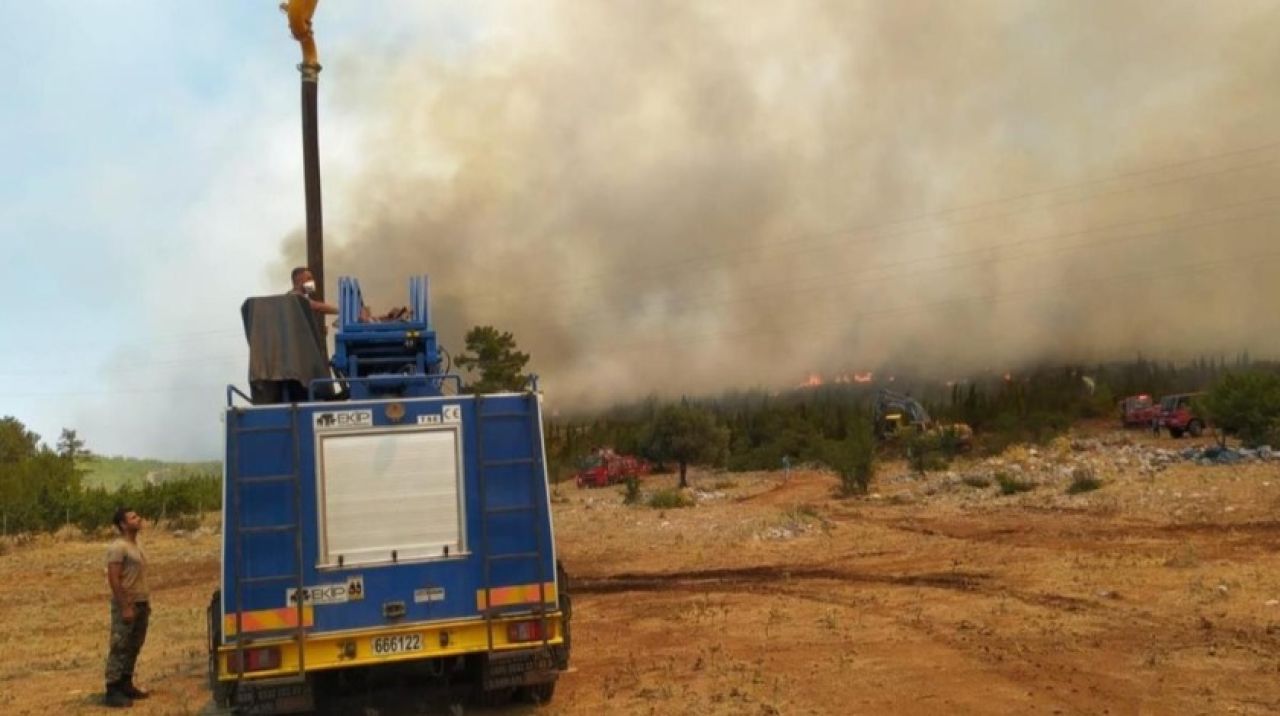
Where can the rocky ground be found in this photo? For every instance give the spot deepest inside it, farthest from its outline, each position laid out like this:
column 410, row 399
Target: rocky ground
column 993, row 586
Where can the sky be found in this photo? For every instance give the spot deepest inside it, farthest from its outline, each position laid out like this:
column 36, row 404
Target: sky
column 655, row 197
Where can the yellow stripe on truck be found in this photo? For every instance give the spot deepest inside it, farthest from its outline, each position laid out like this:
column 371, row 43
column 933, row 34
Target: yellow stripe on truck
column 516, row 594
column 268, row 620
column 337, row 650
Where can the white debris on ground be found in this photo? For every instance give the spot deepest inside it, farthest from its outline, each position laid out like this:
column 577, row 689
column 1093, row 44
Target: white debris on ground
column 1072, row 472
column 790, row 529
column 708, row 496
column 1086, row 463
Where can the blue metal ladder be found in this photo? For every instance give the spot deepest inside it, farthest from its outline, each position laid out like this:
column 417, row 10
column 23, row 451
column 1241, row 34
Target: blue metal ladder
column 236, row 430
column 533, row 472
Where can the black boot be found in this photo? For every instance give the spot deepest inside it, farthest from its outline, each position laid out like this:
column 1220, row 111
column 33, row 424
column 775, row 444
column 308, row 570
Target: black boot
column 116, row 697
column 128, row 689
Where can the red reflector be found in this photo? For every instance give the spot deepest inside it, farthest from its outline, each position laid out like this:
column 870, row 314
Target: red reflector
column 263, row 658
column 529, row 631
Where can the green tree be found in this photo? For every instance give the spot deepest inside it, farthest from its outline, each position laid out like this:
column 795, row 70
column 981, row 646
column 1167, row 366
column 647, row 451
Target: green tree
column 686, row 434
column 854, row 457
column 37, row 486
column 1247, row 405
column 71, row 446
column 493, row 354
column 16, row 442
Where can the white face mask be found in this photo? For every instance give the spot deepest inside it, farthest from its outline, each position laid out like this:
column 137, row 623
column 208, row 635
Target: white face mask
column 308, row 286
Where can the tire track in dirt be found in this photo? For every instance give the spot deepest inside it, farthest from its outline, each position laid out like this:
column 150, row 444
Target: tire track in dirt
column 1082, row 534
column 750, row 579
column 1000, row 654
column 728, row 579
column 1011, row 656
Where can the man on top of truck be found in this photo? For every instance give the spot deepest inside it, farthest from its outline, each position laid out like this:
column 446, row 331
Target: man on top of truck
column 304, row 284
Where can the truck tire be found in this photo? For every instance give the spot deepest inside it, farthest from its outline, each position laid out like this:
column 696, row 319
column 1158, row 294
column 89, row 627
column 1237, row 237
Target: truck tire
column 541, row 693
column 223, row 692
column 1195, row 428
column 493, row 698
column 566, row 610
column 544, row 692
column 1175, row 432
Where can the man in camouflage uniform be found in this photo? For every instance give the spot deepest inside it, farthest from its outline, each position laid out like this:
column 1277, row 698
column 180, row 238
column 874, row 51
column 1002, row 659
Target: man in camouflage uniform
column 130, row 608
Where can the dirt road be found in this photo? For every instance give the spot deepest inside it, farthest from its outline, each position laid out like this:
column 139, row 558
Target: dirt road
column 1157, row 594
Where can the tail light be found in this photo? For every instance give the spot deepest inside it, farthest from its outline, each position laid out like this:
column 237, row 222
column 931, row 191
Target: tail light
column 531, row 630
column 263, row 658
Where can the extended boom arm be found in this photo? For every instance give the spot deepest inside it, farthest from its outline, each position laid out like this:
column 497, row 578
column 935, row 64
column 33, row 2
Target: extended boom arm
column 299, row 12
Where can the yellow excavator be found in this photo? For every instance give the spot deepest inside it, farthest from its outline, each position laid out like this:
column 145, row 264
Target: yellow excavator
column 896, row 415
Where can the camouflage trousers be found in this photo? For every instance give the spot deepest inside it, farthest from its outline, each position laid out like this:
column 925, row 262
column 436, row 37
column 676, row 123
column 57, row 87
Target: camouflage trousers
column 126, row 640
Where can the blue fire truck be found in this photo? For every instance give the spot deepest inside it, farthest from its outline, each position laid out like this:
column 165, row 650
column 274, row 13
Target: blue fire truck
column 385, row 519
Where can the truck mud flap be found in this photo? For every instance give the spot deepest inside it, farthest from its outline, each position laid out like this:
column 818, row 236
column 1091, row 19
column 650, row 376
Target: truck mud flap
column 274, row 696
column 518, row 668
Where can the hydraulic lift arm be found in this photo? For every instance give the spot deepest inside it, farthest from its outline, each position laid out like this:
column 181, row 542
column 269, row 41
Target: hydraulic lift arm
column 300, row 12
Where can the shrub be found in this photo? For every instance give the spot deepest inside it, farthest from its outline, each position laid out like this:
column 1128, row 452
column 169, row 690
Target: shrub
column 1010, row 485
column 185, row 523
column 670, row 498
column 170, row 500
column 631, row 490
column 1247, row 405
column 976, row 481
column 1012, row 428
column 1083, row 480
column 853, row 459
column 800, row 518
column 949, row 441
column 925, row 453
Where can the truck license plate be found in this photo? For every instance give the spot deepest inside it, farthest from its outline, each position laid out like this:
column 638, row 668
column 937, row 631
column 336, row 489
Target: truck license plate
column 398, row 644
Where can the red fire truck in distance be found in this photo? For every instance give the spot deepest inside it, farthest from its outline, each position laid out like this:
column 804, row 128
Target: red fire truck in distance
column 605, row 467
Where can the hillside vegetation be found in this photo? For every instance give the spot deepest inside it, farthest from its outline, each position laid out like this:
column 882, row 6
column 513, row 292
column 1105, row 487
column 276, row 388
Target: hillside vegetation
column 112, row 473
column 829, row 424
column 43, row 488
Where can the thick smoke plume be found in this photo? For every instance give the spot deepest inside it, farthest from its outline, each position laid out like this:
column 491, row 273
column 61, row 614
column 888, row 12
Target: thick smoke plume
column 658, row 197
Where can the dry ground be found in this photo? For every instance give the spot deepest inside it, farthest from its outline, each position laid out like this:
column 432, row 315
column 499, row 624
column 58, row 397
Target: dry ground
column 1153, row 595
